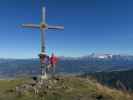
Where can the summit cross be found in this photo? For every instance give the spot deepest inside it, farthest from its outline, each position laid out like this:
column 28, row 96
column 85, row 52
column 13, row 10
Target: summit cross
column 43, row 26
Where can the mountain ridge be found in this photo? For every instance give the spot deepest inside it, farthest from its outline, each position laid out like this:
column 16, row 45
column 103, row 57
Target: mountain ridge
column 67, row 65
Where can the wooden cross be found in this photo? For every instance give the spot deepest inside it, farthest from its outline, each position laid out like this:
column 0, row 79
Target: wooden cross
column 43, row 26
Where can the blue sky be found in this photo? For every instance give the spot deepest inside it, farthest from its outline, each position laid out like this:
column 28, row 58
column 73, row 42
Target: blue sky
column 100, row 26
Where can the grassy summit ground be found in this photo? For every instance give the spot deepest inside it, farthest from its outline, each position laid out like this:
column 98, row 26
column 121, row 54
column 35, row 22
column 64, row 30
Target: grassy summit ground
column 60, row 88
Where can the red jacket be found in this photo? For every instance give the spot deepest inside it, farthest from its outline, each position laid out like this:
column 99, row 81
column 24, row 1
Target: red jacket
column 53, row 59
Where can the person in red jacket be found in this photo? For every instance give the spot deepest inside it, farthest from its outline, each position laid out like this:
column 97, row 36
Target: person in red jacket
column 53, row 62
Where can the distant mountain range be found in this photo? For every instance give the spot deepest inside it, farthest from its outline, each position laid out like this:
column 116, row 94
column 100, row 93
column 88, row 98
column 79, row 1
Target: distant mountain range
column 90, row 63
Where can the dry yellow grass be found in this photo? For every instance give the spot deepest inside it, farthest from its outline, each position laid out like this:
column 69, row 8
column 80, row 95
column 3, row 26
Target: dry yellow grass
column 65, row 88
